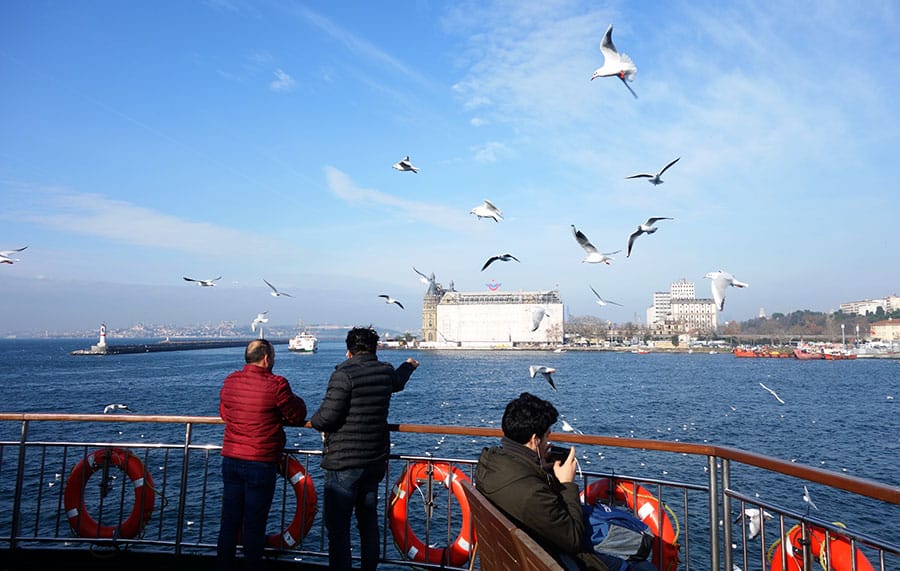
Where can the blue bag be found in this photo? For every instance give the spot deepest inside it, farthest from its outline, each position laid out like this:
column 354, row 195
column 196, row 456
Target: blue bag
column 617, row 532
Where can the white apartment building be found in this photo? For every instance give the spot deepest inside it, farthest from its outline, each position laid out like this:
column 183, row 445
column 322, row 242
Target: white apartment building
column 678, row 310
column 888, row 303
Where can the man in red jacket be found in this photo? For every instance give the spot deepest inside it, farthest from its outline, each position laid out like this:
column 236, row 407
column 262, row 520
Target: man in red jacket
column 254, row 404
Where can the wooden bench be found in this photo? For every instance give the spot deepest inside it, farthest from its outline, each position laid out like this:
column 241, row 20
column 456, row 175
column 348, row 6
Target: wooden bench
column 500, row 544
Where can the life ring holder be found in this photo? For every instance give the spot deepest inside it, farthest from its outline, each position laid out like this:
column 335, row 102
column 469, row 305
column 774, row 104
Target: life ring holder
column 82, row 523
column 839, row 547
column 647, row 507
column 413, row 548
column 307, row 504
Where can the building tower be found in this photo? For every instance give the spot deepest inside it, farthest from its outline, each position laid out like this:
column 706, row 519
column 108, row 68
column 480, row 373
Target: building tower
column 430, row 301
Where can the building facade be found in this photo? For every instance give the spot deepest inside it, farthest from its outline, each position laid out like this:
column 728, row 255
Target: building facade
column 885, row 330
column 679, row 311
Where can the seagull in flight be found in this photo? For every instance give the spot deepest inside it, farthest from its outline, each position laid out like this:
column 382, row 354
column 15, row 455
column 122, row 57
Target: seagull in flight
column 773, row 393
column 502, row 257
column 6, row 256
column 427, row 280
column 537, row 315
column 544, row 372
column 753, row 517
column 721, row 280
column 593, row 255
column 115, row 407
column 275, row 292
column 645, row 228
column 204, row 283
column 405, row 165
column 487, row 210
column 569, row 428
column 389, row 299
column 601, row 301
column 260, row 318
column 808, row 499
column 654, row 179
column 614, row 63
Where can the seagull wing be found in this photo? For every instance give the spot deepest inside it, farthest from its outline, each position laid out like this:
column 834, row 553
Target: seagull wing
column 595, row 292
column 491, row 207
column 271, row 286
column 625, row 82
column 642, row 175
column 654, row 220
column 7, row 253
column 631, row 239
column 583, row 241
column 489, row 261
column 547, row 376
column 190, row 280
column 667, row 166
column 533, row 370
column 511, row 257
column 607, row 48
column 400, row 305
column 718, row 291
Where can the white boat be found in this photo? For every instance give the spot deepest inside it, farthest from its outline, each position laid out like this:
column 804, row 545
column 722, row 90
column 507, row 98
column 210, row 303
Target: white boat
column 303, row 342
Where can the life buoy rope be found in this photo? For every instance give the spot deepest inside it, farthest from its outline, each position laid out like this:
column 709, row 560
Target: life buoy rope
column 82, row 523
column 459, row 550
column 307, row 504
column 657, row 515
column 838, row 545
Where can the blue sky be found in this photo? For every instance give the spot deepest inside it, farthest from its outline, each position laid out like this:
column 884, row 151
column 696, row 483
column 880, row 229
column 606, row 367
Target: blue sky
column 144, row 142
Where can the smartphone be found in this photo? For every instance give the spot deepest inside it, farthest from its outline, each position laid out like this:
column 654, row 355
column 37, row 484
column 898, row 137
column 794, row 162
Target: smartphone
column 558, row 453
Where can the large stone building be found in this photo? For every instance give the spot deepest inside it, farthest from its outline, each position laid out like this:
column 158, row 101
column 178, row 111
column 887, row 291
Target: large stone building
column 679, row 311
column 491, row 319
column 886, row 330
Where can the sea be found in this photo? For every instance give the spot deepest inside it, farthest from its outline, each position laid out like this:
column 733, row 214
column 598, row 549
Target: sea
column 842, row 416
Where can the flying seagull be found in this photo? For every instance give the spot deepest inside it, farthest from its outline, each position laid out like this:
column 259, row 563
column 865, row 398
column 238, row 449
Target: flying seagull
column 115, row 407
column 487, row 210
column 502, row 257
column 405, row 165
column 204, row 283
column 569, row 428
column 593, row 255
column 6, row 256
column 753, row 517
column 808, row 499
column 614, row 63
column 601, row 301
column 389, row 299
column 545, row 372
column 275, row 292
column 721, row 280
column 260, row 318
column 774, row 394
column 427, row 280
column 654, row 179
column 537, row 315
column 645, row 228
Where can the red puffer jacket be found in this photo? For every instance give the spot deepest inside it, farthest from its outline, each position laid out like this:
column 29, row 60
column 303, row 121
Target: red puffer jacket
column 254, row 404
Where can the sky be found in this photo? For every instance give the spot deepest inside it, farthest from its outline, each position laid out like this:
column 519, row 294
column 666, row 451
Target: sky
column 144, row 142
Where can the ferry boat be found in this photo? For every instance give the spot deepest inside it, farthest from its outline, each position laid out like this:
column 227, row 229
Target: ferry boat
column 303, row 342
column 91, row 499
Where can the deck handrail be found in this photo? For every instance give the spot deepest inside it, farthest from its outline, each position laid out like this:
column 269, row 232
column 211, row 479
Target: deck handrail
column 857, row 485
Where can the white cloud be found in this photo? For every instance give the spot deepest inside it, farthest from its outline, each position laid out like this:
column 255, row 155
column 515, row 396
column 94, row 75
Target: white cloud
column 283, row 82
column 490, row 152
column 477, row 122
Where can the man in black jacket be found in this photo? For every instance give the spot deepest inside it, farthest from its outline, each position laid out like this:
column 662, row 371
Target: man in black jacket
column 353, row 420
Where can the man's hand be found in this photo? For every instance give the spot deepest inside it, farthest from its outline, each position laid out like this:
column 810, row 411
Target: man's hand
column 565, row 471
column 412, row 362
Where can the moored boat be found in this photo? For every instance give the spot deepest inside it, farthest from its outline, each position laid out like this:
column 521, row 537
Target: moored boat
column 807, row 355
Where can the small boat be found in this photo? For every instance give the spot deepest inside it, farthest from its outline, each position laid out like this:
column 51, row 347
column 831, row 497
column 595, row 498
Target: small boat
column 838, row 356
column 303, row 342
column 807, row 355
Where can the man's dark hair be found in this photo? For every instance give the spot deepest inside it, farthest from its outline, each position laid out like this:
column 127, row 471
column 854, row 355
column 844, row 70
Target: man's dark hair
column 257, row 349
column 528, row 415
column 362, row 340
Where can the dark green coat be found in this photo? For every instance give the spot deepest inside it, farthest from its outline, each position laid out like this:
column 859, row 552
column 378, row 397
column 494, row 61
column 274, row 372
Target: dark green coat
column 548, row 510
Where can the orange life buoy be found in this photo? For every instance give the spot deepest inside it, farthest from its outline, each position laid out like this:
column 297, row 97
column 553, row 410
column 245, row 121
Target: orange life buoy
column 455, row 554
column 647, row 508
column 838, row 546
column 307, row 504
column 144, row 497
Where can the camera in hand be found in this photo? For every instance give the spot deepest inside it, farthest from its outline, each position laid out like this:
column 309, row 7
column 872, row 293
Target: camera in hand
column 557, row 453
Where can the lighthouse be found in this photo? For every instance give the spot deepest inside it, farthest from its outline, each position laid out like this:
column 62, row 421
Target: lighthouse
column 102, row 342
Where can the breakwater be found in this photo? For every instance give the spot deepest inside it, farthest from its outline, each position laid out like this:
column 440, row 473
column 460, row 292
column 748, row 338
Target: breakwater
column 184, row 345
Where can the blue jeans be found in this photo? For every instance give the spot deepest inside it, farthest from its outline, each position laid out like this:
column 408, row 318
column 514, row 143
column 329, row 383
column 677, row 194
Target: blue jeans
column 247, row 497
column 346, row 490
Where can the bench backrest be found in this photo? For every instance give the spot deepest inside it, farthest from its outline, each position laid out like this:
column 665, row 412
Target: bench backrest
column 500, row 544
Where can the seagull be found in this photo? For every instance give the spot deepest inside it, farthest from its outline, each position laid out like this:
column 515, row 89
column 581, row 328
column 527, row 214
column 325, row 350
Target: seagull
column 544, row 371
column 808, row 499
column 204, row 283
column 569, row 428
column 114, row 407
column 502, row 257
column 601, row 301
column 389, row 299
column 6, row 256
column 645, row 228
column 275, row 292
column 537, row 315
column 487, row 210
column 260, row 318
column 774, row 394
column 721, row 280
column 752, row 516
column 654, row 179
column 614, row 63
column 593, row 256
column 405, row 165
column 427, row 280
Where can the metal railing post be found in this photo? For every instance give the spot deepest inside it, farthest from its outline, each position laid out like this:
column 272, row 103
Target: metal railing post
column 726, row 509
column 713, row 513
column 182, row 499
column 20, row 478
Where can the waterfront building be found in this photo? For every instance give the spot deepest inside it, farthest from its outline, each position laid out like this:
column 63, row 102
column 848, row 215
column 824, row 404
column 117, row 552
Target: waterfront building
column 885, row 330
column 491, row 319
column 679, row 310
column 888, row 304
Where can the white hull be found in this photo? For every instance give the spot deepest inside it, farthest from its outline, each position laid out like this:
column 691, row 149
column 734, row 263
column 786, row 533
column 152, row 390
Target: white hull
column 303, row 343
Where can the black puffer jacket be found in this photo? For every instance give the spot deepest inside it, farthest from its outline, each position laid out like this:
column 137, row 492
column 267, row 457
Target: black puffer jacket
column 353, row 414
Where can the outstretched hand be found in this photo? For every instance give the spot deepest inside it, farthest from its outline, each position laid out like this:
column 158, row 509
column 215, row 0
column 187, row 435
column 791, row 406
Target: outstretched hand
column 565, row 470
column 413, row 362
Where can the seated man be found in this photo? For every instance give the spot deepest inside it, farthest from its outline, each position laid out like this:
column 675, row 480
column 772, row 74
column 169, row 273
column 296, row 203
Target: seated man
column 539, row 496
